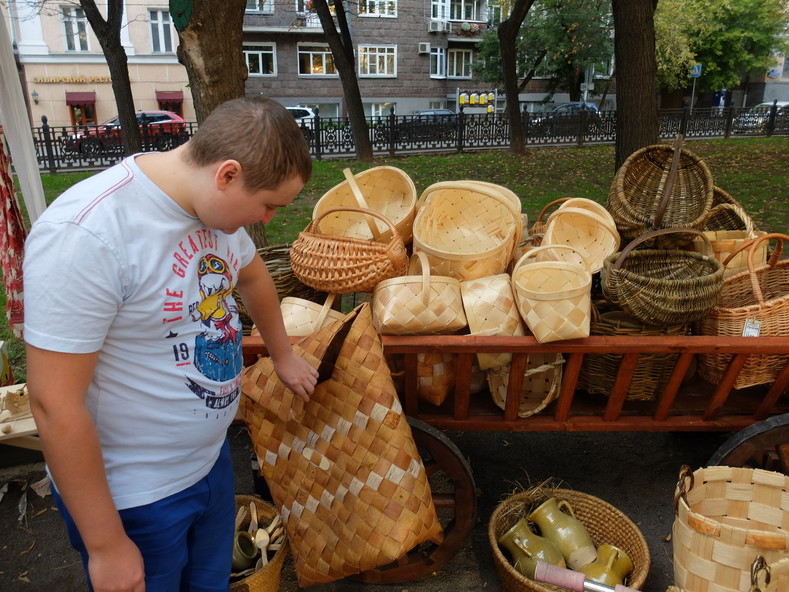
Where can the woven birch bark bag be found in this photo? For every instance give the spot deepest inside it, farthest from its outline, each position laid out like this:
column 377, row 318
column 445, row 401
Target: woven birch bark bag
column 343, row 469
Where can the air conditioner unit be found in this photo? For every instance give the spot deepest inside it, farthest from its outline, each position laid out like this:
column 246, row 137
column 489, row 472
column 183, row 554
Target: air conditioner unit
column 447, row 26
column 436, row 26
column 424, row 48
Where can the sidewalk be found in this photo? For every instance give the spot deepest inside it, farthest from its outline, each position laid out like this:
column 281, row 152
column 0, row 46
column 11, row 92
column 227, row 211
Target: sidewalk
column 635, row 472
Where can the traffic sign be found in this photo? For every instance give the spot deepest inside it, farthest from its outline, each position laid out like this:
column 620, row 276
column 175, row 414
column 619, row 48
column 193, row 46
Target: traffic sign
column 695, row 70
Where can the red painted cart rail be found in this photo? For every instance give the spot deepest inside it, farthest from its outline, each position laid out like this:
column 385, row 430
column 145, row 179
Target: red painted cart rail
column 683, row 405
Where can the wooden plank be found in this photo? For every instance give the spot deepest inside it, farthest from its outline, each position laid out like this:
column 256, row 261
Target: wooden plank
column 624, row 377
column 724, row 388
column 672, row 388
column 771, row 398
column 572, row 370
column 515, row 386
column 463, row 367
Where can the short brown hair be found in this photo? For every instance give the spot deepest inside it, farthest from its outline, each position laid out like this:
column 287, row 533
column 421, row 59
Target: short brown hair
column 260, row 134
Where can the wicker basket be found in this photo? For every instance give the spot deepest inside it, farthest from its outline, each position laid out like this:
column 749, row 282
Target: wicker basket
column 435, row 373
column 341, row 264
column 421, row 304
column 553, row 297
column 588, row 233
column 725, row 518
column 742, row 306
column 652, row 372
column 542, row 380
column 303, row 317
column 384, row 189
column 491, row 310
column 726, row 213
column 468, row 231
column 660, row 186
column 605, row 523
column 726, row 241
column 663, row 286
column 267, row 578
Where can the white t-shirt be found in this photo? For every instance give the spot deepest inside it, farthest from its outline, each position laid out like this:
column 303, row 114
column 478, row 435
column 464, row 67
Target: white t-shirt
column 115, row 265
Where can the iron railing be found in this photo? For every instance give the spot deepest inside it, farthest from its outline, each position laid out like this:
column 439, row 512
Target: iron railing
column 66, row 148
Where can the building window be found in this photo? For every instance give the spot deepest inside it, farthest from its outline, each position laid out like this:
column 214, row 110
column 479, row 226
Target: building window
column 171, row 100
column 377, row 109
column 459, row 63
column 497, row 12
column 264, row 6
column 76, row 26
column 438, row 62
column 378, row 8
column 316, row 60
column 161, row 32
column 439, row 10
column 377, row 60
column 466, row 10
column 260, row 59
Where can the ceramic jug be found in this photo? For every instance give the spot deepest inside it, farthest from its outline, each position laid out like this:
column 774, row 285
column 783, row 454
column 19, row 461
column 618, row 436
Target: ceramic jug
column 557, row 522
column 526, row 548
column 244, row 551
column 611, row 567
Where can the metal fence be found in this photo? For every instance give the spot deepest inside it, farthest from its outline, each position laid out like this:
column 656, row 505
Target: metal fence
column 68, row 148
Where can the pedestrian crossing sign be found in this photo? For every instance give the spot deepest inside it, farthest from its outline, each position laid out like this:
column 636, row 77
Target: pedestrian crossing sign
column 695, row 70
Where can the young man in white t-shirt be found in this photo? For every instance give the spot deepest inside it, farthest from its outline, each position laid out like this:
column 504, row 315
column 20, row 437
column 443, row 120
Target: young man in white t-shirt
column 134, row 344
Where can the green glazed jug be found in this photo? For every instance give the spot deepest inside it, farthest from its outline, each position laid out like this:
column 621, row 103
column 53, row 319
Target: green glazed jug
column 611, row 567
column 526, row 548
column 557, row 522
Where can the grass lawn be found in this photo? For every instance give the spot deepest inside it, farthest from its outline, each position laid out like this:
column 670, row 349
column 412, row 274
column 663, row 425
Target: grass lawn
column 752, row 170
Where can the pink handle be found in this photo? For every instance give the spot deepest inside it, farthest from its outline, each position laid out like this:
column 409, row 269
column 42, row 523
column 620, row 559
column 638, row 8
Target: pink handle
column 548, row 573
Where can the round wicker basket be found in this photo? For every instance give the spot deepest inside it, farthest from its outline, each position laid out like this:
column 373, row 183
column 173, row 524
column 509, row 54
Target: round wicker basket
column 467, row 231
column 268, row 577
column 589, row 233
column 384, row 189
column 605, row 523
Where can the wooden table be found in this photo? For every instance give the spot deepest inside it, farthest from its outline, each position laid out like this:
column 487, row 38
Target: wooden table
column 24, row 433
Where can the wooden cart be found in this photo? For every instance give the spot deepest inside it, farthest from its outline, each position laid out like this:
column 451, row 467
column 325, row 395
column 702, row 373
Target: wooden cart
column 758, row 416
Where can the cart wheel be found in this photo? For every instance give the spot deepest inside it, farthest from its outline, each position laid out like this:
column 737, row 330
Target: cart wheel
column 763, row 445
column 454, row 496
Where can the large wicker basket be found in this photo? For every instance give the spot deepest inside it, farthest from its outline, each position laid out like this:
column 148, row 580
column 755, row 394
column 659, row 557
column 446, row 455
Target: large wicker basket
column 268, row 577
column 758, row 296
column 467, row 230
column 385, row 189
column 660, row 186
column 725, row 518
column 605, row 523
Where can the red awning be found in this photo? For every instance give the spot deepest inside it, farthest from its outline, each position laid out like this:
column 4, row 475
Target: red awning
column 80, row 98
column 169, row 96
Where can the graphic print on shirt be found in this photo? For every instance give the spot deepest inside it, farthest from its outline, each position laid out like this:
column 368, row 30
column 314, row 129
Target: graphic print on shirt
column 216, row 349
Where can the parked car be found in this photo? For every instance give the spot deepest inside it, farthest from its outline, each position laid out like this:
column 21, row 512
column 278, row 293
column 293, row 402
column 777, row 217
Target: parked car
column 564, row 119
column 305, row 117
column 755, row 119
column 429, row 124
column 164, row 131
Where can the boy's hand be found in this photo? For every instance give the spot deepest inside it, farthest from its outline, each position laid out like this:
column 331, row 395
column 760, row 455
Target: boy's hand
column 297, row 374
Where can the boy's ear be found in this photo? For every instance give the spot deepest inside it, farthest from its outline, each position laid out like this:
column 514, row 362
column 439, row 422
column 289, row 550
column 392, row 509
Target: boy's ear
column 227, row 172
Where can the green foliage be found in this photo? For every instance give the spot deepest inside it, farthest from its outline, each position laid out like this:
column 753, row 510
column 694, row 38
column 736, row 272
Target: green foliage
column 730, row 38
column 561, row 38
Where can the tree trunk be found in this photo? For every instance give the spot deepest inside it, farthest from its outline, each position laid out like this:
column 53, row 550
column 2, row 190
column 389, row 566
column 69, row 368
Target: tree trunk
column 508, row 34
column 211, row 50
column 636, row 69
column 108, row 32
column 341, row 46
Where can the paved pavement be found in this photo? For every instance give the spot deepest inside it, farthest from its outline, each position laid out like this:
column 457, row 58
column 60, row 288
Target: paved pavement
column 635, row 472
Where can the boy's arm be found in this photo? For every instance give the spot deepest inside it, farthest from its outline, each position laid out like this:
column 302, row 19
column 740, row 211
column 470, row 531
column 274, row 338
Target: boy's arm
column 57, row 384
column 260, row 298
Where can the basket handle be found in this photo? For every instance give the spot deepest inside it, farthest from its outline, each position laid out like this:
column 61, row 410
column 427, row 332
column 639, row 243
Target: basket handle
column 583, row 212
column 357, row 193
column 684, row 485
column 548, row 206
column 738, row 211
column 751, row 245
column 672, row 175
column 644, row 237
column 378, row 215
column 531, row 252
column 324, row 310
column 420, row 259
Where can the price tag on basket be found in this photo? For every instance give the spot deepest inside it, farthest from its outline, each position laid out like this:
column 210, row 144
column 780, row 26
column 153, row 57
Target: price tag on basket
column 752, row 328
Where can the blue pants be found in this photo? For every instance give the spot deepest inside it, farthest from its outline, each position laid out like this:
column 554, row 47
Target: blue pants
column 186, row 539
